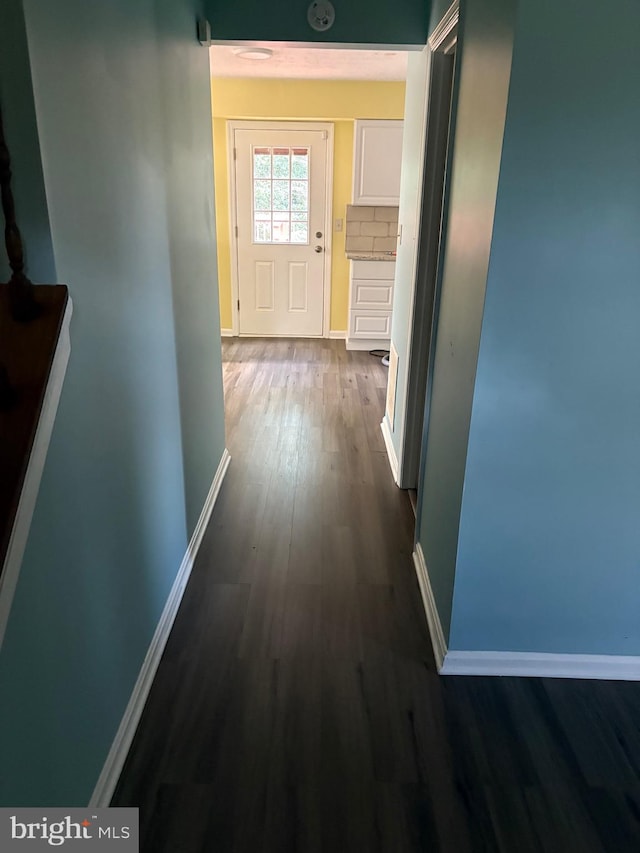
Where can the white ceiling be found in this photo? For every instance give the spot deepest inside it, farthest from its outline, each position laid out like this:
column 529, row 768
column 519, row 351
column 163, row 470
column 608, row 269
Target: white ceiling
column 311, row 63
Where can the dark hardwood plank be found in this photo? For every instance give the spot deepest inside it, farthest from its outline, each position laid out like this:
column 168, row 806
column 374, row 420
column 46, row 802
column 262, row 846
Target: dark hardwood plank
column 297, row 706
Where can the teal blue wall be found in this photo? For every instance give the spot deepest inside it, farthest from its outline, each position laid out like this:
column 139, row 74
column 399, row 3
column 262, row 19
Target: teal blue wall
column 549, row 555
column 357, row 21
column 186, row 101
column 486, row 38
column 21, row 133
column 121, row 93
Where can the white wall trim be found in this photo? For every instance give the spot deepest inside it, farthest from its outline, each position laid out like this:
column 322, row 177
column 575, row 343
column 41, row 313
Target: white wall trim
column 328, row 234
column 338, row 336
column 410, row 244
column 438, row 641
column 337, row 45
column 114, row 763
column 524, row 664
column 443, row 39
column 328, row 128
column 31, row 486
column 391, row 453
column 233, row 218
column 446, row 26
column 275, row 337
column 226, row 333
column 541, row 665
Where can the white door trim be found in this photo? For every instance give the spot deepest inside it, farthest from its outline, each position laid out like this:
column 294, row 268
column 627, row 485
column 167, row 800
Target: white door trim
column 445, row 28
column 232, row 126
column 442, row 40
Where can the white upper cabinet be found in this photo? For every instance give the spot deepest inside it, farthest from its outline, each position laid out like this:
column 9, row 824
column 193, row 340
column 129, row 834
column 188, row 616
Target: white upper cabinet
column 377, row 162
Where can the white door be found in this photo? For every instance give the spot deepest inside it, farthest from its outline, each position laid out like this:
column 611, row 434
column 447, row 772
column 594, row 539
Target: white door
column 280, row 188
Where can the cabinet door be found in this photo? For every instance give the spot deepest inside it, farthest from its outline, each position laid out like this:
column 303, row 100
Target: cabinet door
column 377, row 162
column 372, row 285
column 370, row 325
column 371, row 293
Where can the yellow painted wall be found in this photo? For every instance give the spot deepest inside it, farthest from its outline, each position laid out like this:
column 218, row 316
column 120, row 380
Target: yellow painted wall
column 338, row 101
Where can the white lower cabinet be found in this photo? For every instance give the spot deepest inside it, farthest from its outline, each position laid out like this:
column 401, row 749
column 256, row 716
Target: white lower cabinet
column 370, row 324
column 372, row 295
column 370, row 304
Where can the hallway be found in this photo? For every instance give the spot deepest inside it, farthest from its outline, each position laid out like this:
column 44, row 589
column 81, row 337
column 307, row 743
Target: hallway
column 297, row 707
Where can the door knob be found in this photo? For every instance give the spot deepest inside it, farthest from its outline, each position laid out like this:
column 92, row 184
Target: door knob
column 318, row 249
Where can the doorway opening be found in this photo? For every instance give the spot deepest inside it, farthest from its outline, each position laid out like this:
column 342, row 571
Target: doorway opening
column 271, row 284
column 370, row 313
column 442, row 46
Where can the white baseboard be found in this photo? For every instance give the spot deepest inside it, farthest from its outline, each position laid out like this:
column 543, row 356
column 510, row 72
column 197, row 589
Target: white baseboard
column 35, row 466
column 541, row 665
column 438, row 641
column 391, row 453
column 368, row 344
column 114, row 763
column 226, row 333
column 525, row 664
column 337, row 336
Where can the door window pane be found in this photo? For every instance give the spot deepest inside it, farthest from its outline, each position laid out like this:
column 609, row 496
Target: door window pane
column 281, row 232
column 300, row 164
column 262, row 195
column 299, row 232
column 281, row 160
column 262, row 163
column 299, row 193
column 280, row 195
column 263, row 232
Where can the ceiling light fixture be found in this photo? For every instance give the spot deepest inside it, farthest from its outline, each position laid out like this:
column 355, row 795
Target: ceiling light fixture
column 254, row 53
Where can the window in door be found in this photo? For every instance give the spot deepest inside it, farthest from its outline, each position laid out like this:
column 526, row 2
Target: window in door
column 280, row 195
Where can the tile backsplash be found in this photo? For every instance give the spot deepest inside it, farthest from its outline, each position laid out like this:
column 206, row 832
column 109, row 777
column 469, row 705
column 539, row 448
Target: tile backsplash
column 371, row 229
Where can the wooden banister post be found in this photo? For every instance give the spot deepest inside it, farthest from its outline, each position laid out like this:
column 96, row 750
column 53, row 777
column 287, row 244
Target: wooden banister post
column 21, row 298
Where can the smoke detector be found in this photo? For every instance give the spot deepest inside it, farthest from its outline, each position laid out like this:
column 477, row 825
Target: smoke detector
column 321, row 15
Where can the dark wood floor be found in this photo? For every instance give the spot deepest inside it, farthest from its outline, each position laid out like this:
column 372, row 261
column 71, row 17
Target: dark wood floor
column 297, row 706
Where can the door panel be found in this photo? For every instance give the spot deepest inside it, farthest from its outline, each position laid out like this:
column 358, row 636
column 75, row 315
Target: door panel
column 298, row 286
column 263, row 276
column 280, row 188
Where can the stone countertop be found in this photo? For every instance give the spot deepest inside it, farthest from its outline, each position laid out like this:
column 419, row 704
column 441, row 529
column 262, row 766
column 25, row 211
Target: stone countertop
column 371, row 256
